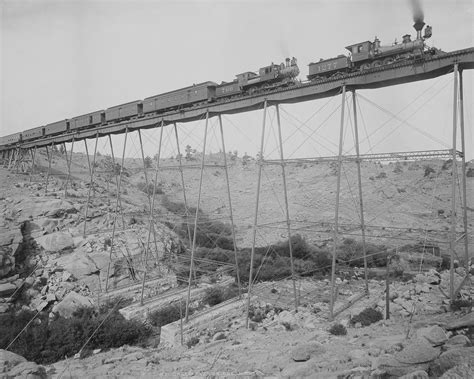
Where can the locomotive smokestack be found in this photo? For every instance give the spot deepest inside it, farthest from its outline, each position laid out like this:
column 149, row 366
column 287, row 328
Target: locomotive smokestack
column 418, row 17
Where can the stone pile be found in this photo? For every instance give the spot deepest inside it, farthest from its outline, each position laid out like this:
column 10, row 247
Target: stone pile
column 432, row 351
column 15, row 366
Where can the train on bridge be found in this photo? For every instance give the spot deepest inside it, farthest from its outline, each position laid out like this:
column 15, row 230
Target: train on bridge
column 362, row 56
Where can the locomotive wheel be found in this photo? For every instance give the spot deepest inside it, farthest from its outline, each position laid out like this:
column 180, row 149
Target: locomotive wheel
column 388, row 61
column 364, row 66
column 376, row 63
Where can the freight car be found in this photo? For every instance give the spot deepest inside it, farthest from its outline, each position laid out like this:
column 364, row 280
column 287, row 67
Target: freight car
column 87, row 120
column 197, row 93
column 32, row 134
column 124, row 111
column 55, row 128
column 11, row 139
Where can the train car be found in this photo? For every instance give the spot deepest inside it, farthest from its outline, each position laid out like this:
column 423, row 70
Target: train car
column 87, row 120
column 328, row 67
column 228, row 89
column 119, row 112
column 34, row 133
column 202, row 92
column 57, row 127
column 11, row 139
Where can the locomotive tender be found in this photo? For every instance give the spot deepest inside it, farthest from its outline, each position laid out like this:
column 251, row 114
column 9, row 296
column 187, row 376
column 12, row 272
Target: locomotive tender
column 363, row 56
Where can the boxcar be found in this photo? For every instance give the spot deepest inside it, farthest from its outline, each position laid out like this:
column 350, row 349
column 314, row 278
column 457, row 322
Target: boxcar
column 86, row 120
column 228, row 89
column 133, row 108
column 328, row 67
column 33, row 133
column 10, row 139
column 57, row 127
column 185, row 96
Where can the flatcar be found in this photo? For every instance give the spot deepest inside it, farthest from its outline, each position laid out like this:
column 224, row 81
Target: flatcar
column 197, row 93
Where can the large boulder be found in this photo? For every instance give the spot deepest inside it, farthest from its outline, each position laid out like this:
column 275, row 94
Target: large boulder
column 451, row 359
column 32, row 208
column 462, row 371
column 304, row 352
column 15, row 366
column 390, row 366
column 71, row 303
column 56, row 241
column 78, row 263
column 6, row 289
column 417, row 351
column 29, row 370
column 10, row 241
column 464, row 322
column 8, row 360
column 435, row 335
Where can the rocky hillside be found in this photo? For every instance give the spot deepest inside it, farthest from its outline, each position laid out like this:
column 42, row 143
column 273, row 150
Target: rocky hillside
column 51, row 264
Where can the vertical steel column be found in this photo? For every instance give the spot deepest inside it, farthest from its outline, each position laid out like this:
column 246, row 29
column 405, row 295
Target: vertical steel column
column 87, row 155
column 146, row 176
column 15, row 155
column 116, row 177
column 287, row 209
column 68, row 161
column 338, row 190
column 231, row 214
column 33, row 155
column 151, row 223
column 463, row 181
column 186, row 210
column 453, row 184
column 257, row 203
column 18, row 159
column 50, row 158
column 144, row 165
column 11, row 153
column 91, row 184
column 116, row 206
column 193, row 247
column 359, row 181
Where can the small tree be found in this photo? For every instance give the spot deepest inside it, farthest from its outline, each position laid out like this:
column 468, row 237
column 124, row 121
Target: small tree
column 148, row 162
column 189, row 152
column 245, row 159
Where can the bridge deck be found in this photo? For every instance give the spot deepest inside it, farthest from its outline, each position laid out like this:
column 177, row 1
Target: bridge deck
column 399, row 73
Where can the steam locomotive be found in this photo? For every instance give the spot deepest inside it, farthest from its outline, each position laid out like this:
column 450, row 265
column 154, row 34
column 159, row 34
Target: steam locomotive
column 363, row 56
column 367, row 54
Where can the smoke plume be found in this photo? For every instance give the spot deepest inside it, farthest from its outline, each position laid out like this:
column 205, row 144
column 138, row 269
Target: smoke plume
column 417, row 10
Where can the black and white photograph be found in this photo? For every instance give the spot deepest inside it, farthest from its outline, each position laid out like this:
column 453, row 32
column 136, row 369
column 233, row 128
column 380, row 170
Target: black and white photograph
column 237, row 189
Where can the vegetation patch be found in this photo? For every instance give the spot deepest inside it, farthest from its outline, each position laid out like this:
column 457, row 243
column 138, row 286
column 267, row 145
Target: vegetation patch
column 149, row 188
column 45, row 341
column 338, row 330
column 165, row 315
column 367, row 317
column 218, row 294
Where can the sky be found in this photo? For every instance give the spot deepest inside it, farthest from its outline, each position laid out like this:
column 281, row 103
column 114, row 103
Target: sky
column 60, row 59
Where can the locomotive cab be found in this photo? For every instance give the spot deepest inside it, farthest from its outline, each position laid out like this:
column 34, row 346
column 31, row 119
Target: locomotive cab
column 269, row 72
column 360, row 51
